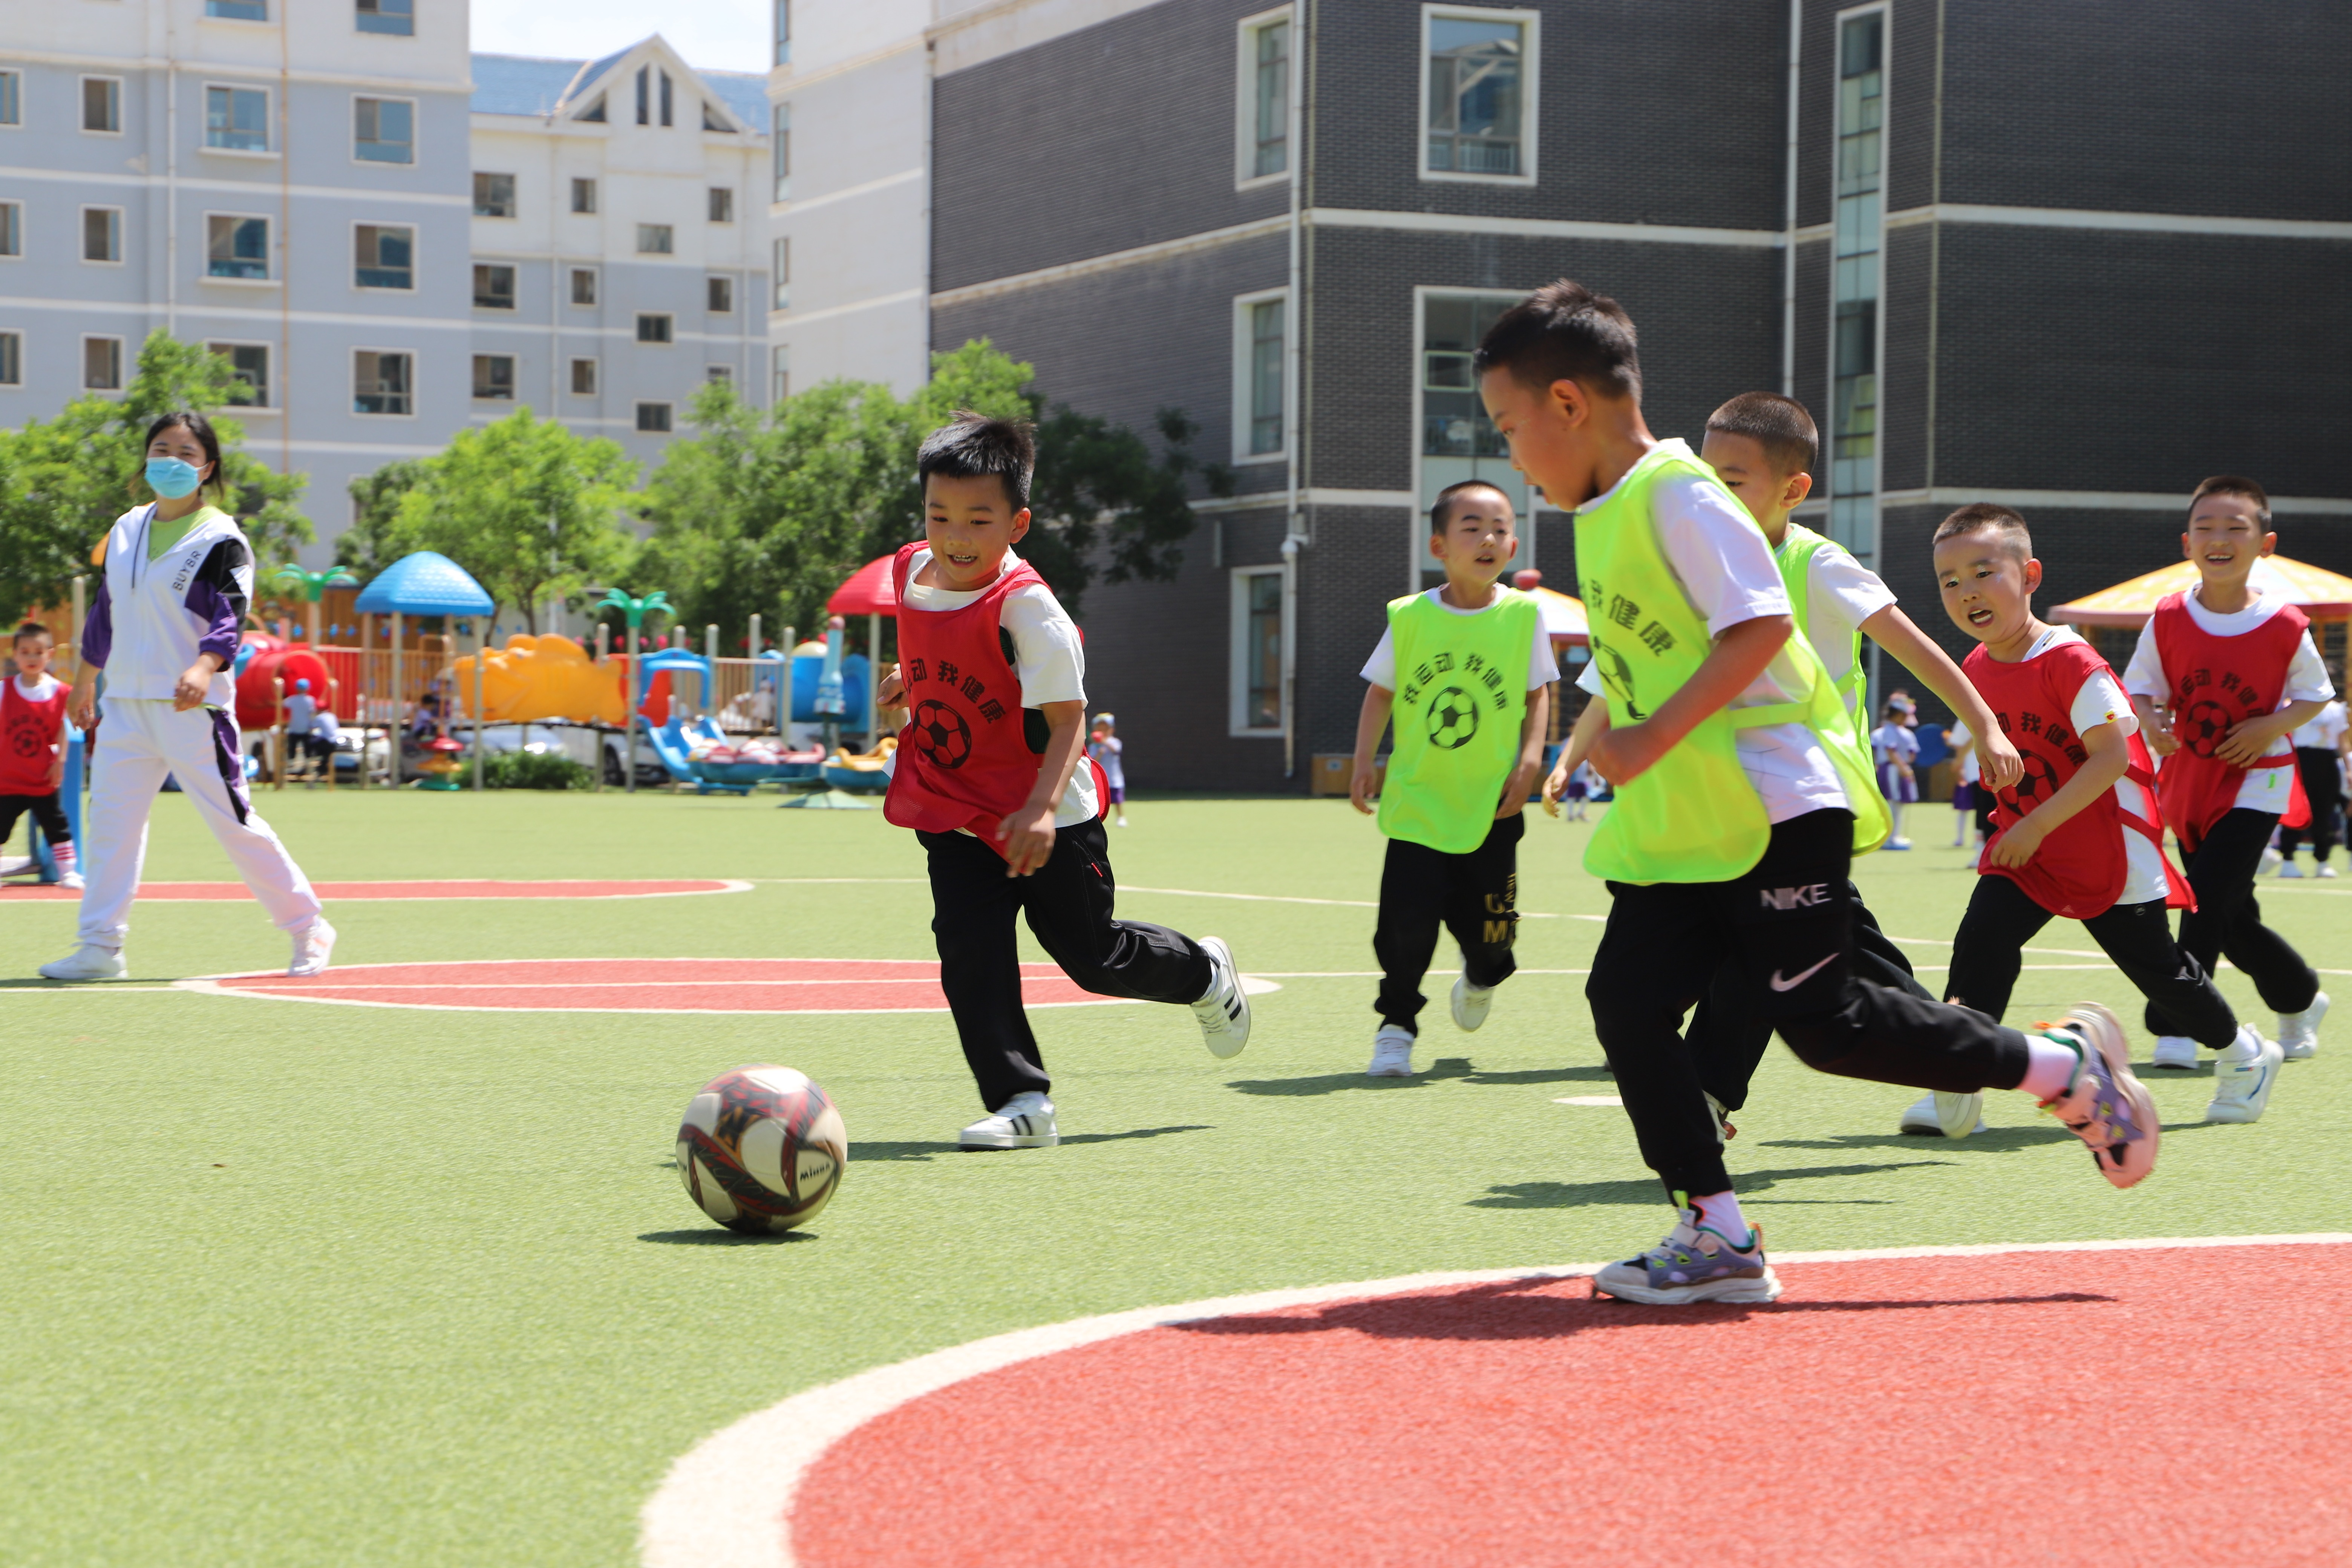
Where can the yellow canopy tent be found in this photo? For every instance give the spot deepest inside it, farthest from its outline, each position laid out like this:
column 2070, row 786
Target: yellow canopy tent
column 2326, row 596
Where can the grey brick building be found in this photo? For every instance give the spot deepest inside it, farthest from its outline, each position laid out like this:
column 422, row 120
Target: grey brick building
column 2071, row 257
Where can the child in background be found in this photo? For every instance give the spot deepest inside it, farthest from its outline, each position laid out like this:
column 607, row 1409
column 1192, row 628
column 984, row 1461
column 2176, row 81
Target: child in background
column 1895, row 748
column 1470, row 664
column 2223, row 673
column 1965, row 782
column 301, row 712
column 2078, row 838
column 1104, row 747
column 32, row 753
column 2319, row 748
column 1578, row 792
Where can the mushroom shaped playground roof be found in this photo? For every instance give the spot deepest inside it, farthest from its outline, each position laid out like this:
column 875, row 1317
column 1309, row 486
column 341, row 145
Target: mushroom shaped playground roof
column 424, row 584
column 2321, row 592
column 868, row 592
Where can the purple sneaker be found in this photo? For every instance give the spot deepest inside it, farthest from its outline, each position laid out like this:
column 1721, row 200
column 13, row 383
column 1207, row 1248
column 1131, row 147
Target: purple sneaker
column 2105, row 1106
column 1693, row 1263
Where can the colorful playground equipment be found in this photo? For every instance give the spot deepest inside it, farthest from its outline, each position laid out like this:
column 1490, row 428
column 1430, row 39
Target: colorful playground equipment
column 544, row 677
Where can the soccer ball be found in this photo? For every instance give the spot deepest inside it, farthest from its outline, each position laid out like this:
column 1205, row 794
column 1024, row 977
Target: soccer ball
column 2201, row 728
column 761, row 1149
column 940, row 735
column 1452, row 719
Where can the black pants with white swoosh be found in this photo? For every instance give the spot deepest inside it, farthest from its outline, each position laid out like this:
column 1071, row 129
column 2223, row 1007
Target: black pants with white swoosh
column 1787, row 926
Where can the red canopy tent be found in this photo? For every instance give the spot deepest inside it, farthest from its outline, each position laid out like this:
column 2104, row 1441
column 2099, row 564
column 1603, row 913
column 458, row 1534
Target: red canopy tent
column 870, row 593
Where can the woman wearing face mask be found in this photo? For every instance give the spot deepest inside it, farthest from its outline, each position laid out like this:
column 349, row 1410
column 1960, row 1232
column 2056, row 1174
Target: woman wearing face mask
column 171, row 605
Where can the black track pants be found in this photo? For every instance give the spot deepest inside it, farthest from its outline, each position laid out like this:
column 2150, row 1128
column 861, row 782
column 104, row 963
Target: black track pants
column 2228, row 921
column 1474, row 895
column 1988, row 952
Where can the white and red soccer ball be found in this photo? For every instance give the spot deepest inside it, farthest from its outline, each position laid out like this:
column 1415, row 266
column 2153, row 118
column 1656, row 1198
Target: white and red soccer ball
column 761, row 1149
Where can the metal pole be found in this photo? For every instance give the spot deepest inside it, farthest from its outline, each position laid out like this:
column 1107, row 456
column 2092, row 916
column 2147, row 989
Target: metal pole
column 637, row 700
column 277, row 732
column 873, row 680
column 603, row 656
column 334, row 698
column 481, row 758
column 397, row 729
column 710, row 678
column 360, row 709
column 80, row 608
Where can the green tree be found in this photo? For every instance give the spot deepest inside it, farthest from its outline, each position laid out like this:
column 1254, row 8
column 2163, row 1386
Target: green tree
column 372, row 540
column 64, row 481
column 529, row 509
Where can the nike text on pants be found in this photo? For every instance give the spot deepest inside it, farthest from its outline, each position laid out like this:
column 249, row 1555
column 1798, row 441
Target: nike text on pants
column 2228, row 921
column 1475, row 895
column 1789, row 925
column 140, row 741
column 1988, row 952
column 1068, row 903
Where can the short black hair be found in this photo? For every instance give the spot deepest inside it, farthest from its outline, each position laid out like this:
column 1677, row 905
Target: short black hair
column 32, row 629
column 1781, row 426
column 202, row 429
column 1564, row 332
column 2235, row 485
column 1440, row 513
column 1986, row 517
column 971, row 445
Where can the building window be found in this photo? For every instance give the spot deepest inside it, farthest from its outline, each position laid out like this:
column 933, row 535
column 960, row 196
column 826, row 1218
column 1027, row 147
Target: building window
column 653, row 328
column 248, row 365
column 719, row 372
column 722, row 204
column 653, row 418
column 237, row 247
column 584, row 285
column 494, row 287
column 780, row 373
column 494, row 196
column 1266, row 97
column 712, row 120
column 12, row 228
column 645, row 89
column 101, row 234
column 386, row 256
column 102, row 104
column 784, row 32
column 1257, row 651
column 584, row 196
column 238, row 10
column 236, row 118
column 666, row 97
column 583, row 378
column 397, row 17
column 1854, row 393
column 102, row 364
column 1458, row 442
column 656, row 239
column 1479, row 93
column 722, row 296
column 384, row 129
column 11, row 98
column 379, row 383
column 780, row 148
column 782, row 251
column 494, row 377
column 595, row 114
column 12, row 359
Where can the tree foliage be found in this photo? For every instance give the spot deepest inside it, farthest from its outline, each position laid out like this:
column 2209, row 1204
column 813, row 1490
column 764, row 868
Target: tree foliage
column 64, row 481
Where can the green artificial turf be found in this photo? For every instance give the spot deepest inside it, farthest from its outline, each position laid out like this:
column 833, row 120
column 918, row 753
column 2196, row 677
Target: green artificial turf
column 292, row 1284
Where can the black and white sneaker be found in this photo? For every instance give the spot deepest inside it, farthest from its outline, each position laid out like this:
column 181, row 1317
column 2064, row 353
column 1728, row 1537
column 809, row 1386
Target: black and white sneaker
column 1025, row 1121
column 1224, row 1011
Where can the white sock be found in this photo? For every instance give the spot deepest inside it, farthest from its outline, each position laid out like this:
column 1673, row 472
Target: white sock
column 2050, row 1067
column 1720, row 1212
column 2245, row 1047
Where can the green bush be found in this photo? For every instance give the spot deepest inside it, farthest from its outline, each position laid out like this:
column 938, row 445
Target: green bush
column 533, row 770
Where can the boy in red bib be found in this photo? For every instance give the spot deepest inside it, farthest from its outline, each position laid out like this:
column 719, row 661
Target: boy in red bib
column 2223, row 673
column 2077, row 838
column 32, row 757
column 992, row 775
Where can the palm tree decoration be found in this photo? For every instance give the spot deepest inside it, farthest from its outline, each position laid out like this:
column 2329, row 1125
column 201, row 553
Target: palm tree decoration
column 313, row 586
column 635, row 610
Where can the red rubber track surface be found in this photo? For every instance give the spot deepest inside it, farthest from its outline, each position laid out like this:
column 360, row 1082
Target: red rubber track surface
column 2183, row 1407
column 212, row 892
column 652, row 985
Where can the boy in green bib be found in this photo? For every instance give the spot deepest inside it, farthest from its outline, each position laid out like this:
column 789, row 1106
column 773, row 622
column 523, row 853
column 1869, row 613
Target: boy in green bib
column 1465, row 672
column 1742, row 796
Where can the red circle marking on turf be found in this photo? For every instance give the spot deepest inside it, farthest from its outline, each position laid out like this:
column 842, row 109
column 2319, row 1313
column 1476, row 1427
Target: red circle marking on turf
column 354, row 892
column 647, row 985
column 2145, row 1406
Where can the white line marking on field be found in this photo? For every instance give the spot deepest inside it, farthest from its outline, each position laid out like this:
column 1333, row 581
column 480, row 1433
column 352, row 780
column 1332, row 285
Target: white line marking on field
column 727, row 1502
column 1375, row 974
column 1590, row 1100
column 1284, row 899
column 101, row 988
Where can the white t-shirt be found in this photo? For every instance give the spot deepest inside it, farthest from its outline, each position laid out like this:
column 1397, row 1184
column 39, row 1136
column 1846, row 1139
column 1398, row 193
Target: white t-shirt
column 301, row 706
column 1543, row 667
column 1107, row 755
column 2101, row 700
column 1960, row 740
column 1841, row 593
column 2323, row 732
column 1048, row 657
column 1727, row 572
column 2265, row 789
column 1894, row 743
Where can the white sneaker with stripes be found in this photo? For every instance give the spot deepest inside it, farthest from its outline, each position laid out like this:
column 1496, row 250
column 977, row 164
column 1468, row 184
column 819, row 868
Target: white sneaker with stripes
column 1024, row 1121
column 1224, row 1011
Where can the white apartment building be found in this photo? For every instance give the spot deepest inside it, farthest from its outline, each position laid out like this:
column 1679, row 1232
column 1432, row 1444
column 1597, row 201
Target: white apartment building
column 294, row 182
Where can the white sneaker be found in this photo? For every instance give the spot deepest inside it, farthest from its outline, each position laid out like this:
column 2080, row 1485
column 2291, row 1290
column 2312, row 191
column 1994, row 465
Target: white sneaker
column 1024, row 1121
column 2241, row 1087
column 73, row 882
column 2174, row 1051
column 1471, row 1002
column 1122, row 822
column 1224, row 1011
column 88, row 961
column 312, row 944
column 2291, row 871
column 1897, row 844
column 2325, row 869
column 2272, row 861
column 2298, row 1032
column 1391, row 1054
column 1936, row 1115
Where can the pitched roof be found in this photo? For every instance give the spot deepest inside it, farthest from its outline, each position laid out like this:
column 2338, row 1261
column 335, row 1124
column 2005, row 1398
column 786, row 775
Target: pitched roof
column 527, row 84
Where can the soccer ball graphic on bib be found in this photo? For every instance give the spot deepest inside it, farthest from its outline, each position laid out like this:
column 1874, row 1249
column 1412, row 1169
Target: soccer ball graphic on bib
column 1452, row 719
column 2203, row 727
column 2039, row 784
column 761, row 1149
column 941, row 736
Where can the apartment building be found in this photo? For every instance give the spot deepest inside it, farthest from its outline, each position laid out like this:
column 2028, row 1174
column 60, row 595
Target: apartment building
column 2066, row 258
column 294, row 183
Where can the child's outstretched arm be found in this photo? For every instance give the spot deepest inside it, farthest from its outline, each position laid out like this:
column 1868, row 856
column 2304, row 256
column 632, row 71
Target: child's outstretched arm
column 1896, row 632
column 1532, row 731
column 1371, row 720
column 1730, row 668
column 1590, row 726
column 2110, row 756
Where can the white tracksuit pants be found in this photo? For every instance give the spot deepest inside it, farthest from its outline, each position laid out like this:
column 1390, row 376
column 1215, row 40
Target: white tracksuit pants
column 139, row 742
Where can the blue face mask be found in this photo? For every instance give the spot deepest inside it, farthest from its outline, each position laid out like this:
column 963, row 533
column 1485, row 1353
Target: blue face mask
column 171, row 478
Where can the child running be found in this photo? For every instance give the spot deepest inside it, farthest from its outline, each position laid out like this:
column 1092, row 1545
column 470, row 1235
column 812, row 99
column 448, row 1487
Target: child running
column 2223, row 673
column 1470, row 663
column 33, row 759
column 1103, row 745
column 991, row 774
column 2078, row 838
column 177, row 576
column 2319, row 748
column 1741, row 796
column 1895, row 748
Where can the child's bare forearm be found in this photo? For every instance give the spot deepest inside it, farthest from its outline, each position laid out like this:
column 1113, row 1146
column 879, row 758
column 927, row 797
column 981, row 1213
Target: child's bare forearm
column 1372, row 719
column 1535, row 727
column 1899, row 634
column 2110, row 756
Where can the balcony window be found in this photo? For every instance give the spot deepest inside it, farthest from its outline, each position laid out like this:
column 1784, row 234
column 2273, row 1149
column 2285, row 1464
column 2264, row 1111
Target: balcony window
column 248, row 367
column 494, row 287
column 386, row 256
column 1476, row 94
column 494, row 377
column 653, row 418
column 381, row 382
column 384, row 131
column 236, row 118
column 237, row 247
column 494, row 196
column 653, row 329
column 656, row 239
column 397, row 17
